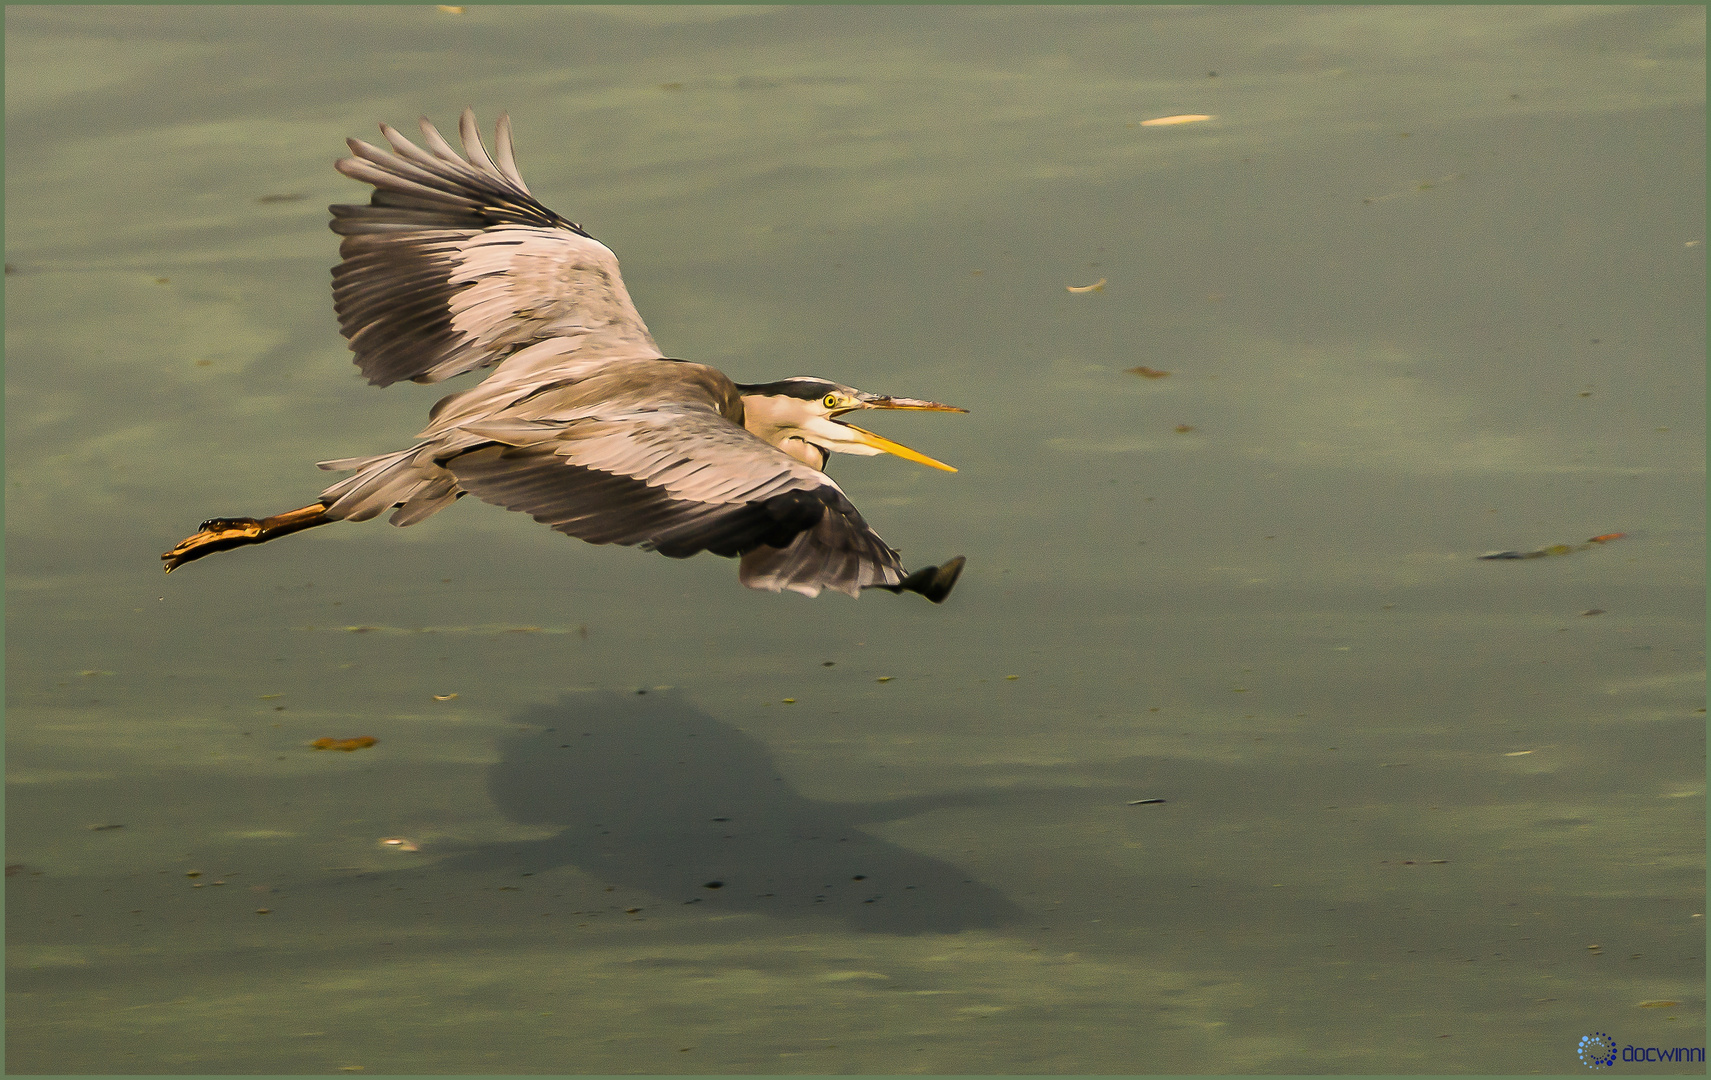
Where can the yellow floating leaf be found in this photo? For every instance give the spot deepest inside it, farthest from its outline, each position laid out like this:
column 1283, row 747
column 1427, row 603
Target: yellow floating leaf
column 1097, row 286
column 361, row 742
column 1167, row 121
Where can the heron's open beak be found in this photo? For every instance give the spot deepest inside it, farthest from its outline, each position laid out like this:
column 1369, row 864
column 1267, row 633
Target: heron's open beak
column 880, row 442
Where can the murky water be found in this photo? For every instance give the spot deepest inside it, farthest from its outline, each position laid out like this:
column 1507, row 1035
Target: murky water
column 1429, row 283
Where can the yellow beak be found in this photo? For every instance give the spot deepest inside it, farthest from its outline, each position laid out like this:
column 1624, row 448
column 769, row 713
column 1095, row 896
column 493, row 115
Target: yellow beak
column 880, row 442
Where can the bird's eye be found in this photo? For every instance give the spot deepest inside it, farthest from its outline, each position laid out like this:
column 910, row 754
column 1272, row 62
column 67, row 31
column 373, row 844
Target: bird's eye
column 831, row 401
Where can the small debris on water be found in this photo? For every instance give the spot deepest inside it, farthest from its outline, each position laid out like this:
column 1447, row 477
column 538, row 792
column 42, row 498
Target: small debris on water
column 399, row 843
column 1421, row 185
column 1592, row 611
column 294, row 196
column 1518, row 753
column 1146, row 372
column 444, row 697
column 1097, row 286
column 1183, row 429
column 885, row 678
column 104, row 828
column 1145, row 802
column 1554, row 549
column 1659, row 1004
column 361, row 742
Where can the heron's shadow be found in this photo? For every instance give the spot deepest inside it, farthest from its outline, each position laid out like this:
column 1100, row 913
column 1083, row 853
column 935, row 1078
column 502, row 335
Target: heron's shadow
column 651, row 793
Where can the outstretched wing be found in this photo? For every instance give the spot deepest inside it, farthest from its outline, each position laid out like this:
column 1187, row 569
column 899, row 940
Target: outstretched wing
column 679, row 480
column 840, row 552
column 453, row 265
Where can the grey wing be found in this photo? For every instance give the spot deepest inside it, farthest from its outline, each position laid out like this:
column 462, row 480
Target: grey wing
column 839, row 552
column 453, row 265
column 681, row 480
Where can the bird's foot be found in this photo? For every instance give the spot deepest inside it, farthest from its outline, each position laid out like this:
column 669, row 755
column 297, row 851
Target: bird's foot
column 218, row 534
column 933, row 582
column 221, row 534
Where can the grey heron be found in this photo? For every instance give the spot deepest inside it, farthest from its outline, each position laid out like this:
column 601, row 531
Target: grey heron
column 584, row 424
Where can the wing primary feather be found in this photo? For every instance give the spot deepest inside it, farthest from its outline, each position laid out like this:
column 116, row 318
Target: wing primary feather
column 452, row 165
column 399, row 166
column 472, row 145
column 436, row 142
column 507, row 156
column 368, row 173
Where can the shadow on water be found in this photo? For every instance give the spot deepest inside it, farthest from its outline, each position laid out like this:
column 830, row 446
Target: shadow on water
column 651, row 793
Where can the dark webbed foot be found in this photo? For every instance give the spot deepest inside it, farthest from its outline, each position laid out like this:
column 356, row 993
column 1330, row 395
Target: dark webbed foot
column 933, row 582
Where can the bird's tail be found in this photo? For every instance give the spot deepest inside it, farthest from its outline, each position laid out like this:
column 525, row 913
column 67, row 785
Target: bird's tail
column 410, row 482
column 221, row 534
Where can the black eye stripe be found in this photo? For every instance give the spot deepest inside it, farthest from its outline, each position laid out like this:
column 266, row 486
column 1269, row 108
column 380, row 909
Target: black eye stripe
column 802, row 389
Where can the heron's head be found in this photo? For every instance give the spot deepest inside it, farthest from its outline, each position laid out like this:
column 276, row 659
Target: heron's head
column 804, row 417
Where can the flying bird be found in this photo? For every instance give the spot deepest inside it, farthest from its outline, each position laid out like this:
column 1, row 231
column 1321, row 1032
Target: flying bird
column 584, row 423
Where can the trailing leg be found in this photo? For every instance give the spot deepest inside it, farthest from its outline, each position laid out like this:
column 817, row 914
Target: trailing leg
column 220, row 534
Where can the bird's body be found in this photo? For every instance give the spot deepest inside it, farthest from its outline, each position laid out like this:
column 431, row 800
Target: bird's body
column 585, row 424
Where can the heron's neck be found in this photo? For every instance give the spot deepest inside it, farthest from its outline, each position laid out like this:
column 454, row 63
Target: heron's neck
column 770, row 423
column 807, row 453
